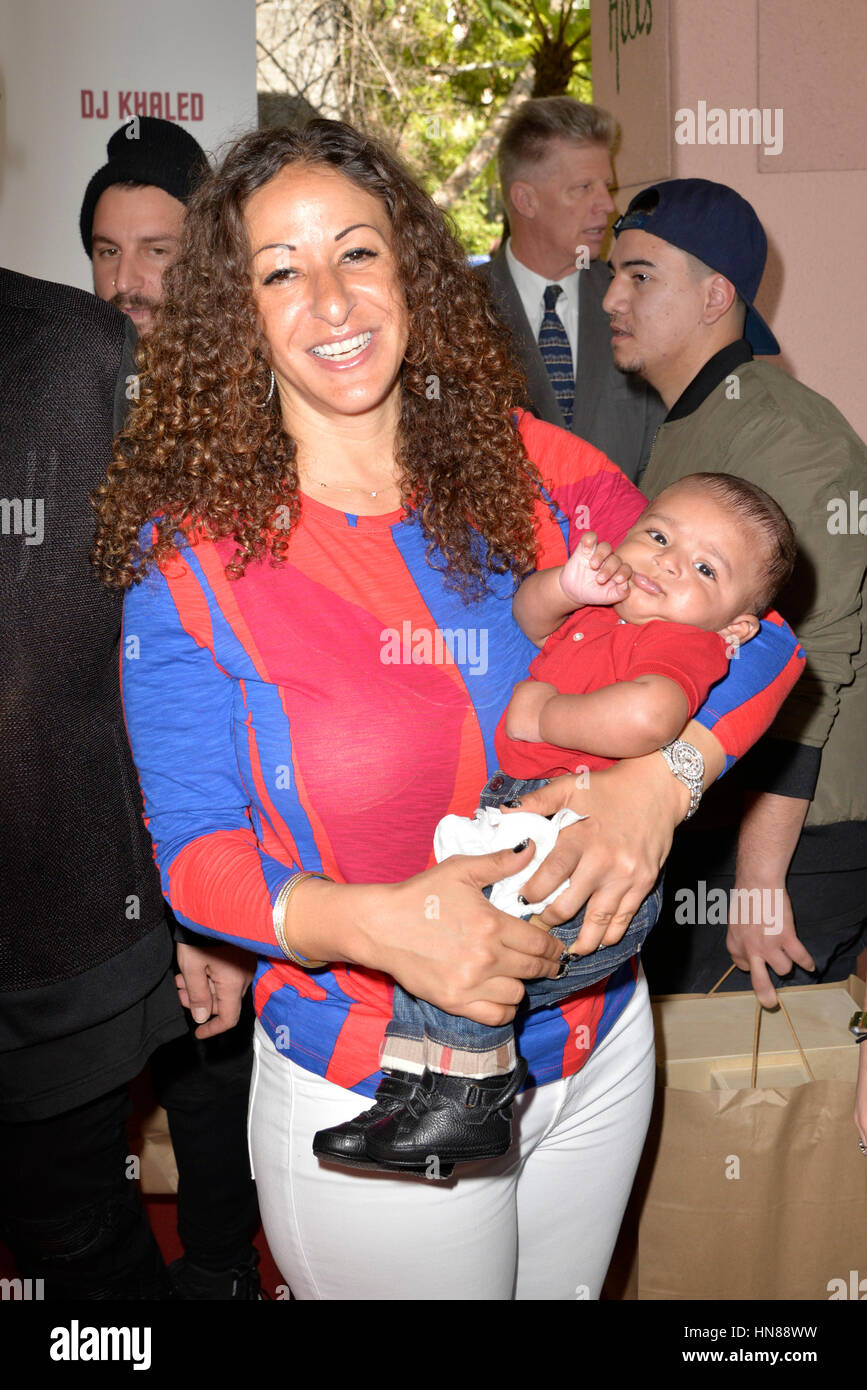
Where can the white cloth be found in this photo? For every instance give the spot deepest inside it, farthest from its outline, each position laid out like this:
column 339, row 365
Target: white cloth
column 491, row 829
column 539, row 1223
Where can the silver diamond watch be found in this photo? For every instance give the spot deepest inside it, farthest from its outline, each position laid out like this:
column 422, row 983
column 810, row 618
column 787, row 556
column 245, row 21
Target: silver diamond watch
column 687, row 764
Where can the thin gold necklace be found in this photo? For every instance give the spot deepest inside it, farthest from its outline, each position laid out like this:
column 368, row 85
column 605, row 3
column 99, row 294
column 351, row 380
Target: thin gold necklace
column 355, row 487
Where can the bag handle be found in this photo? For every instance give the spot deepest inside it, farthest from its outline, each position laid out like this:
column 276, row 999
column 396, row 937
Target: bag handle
column 757, row 1030
column 803, row 1055
column 722, row 979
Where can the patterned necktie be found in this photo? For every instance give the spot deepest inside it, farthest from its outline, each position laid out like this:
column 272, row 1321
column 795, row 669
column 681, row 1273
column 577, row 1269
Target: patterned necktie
column 557, row 355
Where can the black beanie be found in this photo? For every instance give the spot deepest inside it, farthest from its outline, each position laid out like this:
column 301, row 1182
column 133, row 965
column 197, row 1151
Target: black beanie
column 150, row 151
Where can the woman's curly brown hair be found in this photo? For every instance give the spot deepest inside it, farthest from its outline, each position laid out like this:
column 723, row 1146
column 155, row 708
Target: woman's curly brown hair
column 201, row 451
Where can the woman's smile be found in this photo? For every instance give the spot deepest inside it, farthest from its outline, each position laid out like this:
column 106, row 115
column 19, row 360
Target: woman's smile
column 342, row 350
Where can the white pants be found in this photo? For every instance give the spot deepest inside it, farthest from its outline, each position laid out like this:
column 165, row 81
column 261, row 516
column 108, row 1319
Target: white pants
column 539, row 1223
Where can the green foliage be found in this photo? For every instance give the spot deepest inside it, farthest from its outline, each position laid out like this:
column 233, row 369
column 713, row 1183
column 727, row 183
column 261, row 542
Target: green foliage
column 473, row 225
column 428, row 75
column 470, row 53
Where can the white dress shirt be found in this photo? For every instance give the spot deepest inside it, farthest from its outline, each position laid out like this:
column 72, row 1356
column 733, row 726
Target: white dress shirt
column 531, row 289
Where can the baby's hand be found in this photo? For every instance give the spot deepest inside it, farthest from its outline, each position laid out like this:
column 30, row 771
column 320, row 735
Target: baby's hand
column 594, row 573
column 526, row 705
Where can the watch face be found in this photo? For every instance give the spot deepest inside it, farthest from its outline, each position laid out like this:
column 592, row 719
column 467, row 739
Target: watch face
column 687, row 760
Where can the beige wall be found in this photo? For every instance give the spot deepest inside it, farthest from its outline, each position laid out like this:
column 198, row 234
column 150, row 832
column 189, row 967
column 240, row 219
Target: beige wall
column 795, row 55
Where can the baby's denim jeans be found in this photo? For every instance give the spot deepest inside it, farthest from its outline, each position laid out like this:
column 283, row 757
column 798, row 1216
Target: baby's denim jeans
column 413, row 1019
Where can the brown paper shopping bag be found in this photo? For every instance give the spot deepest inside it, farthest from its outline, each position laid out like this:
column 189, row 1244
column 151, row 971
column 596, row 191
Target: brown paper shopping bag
column 159, row 1170
column 150, row 1141
column 752, row 1185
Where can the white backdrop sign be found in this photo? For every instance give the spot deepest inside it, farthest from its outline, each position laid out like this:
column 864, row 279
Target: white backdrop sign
column 73, row 71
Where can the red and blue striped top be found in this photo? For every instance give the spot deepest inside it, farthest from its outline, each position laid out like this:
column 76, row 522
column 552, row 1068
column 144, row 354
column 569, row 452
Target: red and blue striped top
column 327, row 712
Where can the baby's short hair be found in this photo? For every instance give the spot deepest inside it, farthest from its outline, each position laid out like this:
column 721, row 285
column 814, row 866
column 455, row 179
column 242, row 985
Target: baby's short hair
column 759, row 509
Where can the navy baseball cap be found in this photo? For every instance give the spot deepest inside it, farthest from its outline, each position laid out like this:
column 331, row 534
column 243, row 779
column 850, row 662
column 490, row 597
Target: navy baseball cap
column 714, row 223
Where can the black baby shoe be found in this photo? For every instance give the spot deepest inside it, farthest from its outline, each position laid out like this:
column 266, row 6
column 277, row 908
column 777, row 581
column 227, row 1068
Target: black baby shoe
column 346, row 1143
column 447, row 1120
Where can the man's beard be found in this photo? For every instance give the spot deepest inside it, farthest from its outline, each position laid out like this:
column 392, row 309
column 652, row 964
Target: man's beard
column 133, row 301
column 633, row 368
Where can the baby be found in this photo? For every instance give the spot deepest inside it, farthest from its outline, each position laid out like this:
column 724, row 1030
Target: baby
column 631, row 643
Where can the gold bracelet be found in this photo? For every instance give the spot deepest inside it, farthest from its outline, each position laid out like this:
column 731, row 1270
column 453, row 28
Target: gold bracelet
column 279, row 918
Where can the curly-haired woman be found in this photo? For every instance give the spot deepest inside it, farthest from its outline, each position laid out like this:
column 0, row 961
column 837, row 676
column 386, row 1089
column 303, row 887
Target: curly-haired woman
column 329, row 497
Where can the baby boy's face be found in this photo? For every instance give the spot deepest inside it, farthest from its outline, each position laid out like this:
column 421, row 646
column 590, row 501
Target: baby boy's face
column 694, row 561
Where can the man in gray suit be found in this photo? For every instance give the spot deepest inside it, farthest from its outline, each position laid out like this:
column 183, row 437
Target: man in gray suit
column 547, row 282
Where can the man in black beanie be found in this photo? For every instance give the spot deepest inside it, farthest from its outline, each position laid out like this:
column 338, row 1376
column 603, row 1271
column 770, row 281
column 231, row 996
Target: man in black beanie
column 133, row 212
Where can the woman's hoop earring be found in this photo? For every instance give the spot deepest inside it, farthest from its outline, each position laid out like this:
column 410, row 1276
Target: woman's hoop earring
column 270, row 391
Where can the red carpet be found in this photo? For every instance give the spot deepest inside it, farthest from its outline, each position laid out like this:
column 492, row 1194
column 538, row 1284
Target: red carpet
column 163, row 1214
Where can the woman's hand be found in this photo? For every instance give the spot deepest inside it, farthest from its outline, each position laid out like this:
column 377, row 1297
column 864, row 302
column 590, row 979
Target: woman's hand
column 434, row 933
column 614, row 857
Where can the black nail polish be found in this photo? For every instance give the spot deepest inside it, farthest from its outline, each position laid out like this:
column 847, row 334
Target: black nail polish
column 519, row 849
column 522, row 900
column 512, row 805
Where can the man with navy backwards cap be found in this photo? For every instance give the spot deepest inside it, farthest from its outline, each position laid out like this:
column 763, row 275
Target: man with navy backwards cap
column 686, row 266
